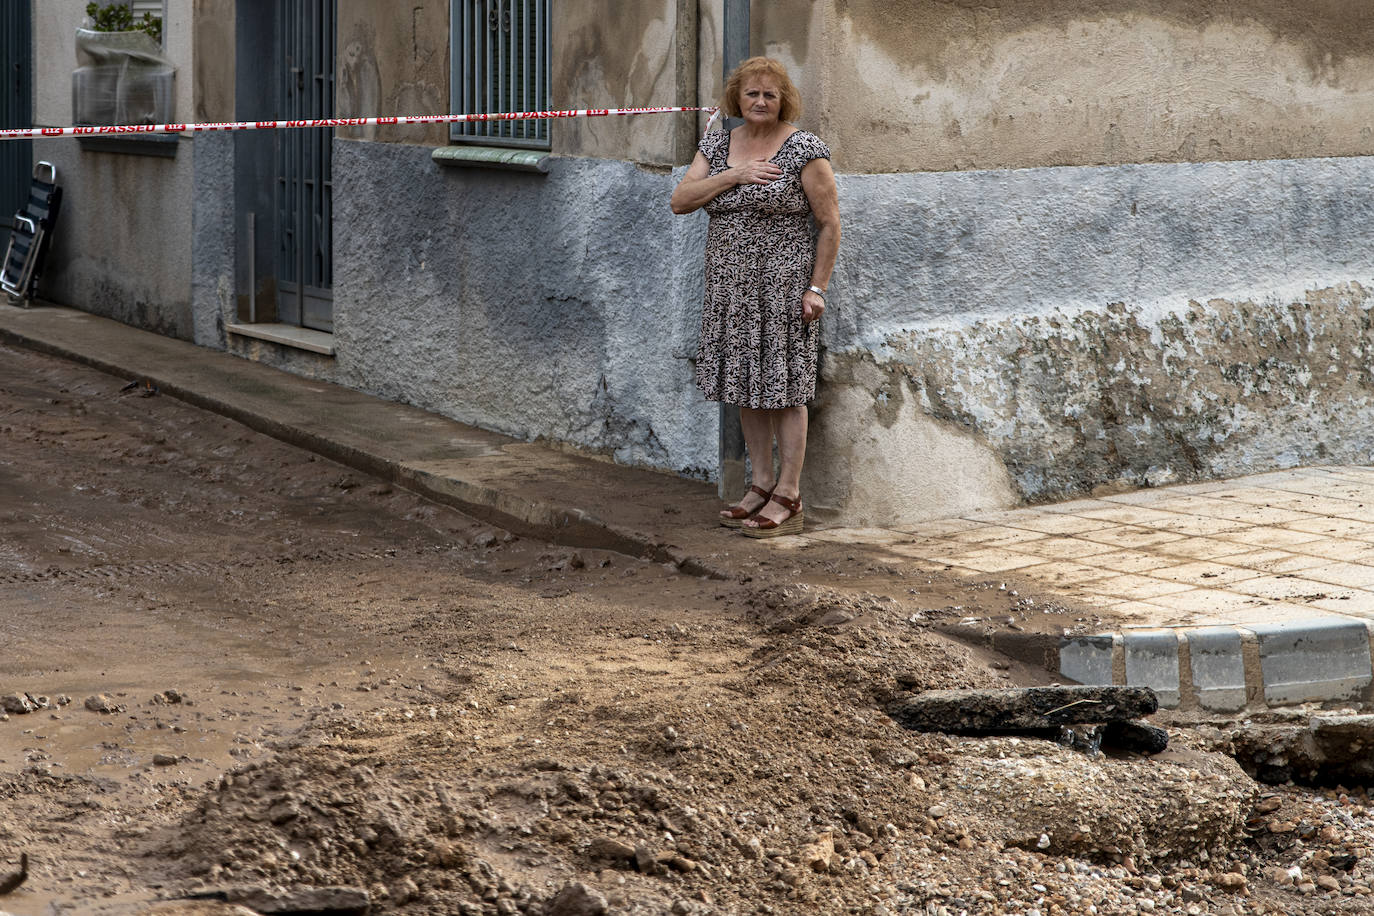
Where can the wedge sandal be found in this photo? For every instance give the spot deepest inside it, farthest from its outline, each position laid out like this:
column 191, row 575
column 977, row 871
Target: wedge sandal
column 738, row 513
column 767, row 528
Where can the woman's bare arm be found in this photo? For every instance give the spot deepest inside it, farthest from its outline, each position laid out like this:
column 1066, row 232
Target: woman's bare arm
column 818, row 181
column 699, row 187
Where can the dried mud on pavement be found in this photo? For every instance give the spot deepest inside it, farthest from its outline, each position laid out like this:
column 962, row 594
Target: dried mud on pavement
column 243, row 679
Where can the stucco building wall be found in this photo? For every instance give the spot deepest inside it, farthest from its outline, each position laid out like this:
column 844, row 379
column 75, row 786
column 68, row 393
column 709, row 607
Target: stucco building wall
column 123, row 247
column 1004, row 336
column 921, row 85
column 1087, row 244
column 542, row 306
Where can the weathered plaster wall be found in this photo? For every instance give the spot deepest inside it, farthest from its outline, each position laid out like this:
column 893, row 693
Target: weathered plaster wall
column 213, row 57
column 1077, row 327
column 119, row 249
column 393, row 61
column 903, row 85
column 538, row 306
column 625, row 55
column 123, row 245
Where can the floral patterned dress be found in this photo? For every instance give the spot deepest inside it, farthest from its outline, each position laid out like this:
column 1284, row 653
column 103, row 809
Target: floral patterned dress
column 754, row 349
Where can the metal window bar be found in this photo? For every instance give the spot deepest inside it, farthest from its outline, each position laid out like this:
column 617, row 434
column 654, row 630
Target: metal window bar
column 501, row 55
column 304, row 163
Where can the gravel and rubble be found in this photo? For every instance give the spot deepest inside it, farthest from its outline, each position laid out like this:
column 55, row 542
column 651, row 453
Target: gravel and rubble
column 242, row 680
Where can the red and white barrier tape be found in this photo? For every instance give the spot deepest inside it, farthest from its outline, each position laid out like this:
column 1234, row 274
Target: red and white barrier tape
column 46, row 132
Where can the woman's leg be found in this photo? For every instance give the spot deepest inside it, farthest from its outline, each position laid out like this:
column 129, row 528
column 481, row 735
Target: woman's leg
column 757, row 426
column 791, row 434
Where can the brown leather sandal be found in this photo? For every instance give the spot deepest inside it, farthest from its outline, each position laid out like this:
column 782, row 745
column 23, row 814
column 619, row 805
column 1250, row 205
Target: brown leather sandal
column 767, row 528
column 738, row 513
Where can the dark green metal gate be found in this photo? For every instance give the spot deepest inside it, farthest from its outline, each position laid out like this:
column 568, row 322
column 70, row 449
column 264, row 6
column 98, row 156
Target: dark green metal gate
column 305, row 263
column 16, row 110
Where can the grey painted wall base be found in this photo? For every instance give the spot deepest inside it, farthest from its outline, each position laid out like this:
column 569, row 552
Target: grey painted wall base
column 1303, row 661
column 540, row 306
column 213, row 251
column 994, row 338
column 1010, row 336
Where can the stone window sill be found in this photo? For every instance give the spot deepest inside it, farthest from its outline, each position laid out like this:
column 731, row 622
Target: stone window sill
column 493, row 157
column 164, row 145
column 288, row 335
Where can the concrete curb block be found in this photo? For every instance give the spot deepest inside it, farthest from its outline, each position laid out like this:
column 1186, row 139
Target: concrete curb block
column 1313, row 660
column 529, row 518
column 1230, row 668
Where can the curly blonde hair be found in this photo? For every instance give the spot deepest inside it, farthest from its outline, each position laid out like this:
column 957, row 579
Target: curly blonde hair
column 790, row 108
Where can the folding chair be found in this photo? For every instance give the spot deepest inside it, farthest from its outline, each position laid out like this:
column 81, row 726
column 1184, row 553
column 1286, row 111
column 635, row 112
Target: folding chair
column 32, row 227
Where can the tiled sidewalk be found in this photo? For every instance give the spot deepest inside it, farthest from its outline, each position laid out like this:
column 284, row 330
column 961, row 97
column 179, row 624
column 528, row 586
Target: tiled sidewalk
column 1269, row 548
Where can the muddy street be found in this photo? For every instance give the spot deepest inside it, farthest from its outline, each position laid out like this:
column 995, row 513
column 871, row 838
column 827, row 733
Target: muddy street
column 238, row 678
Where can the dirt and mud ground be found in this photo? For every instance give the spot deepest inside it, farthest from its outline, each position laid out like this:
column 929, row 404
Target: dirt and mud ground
column 267, row 683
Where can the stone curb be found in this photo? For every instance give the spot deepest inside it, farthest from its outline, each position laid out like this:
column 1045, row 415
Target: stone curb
column 1228, row 669
column 509, row 510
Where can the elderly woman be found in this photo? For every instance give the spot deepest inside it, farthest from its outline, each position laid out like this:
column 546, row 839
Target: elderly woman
column 763, row 184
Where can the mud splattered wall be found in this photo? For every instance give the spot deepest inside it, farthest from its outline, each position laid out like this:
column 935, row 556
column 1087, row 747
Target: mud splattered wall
column 924, row 85
column 393, row 61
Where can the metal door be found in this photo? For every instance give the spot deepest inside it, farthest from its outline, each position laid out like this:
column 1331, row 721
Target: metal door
column 16, row 110
column 304, row 188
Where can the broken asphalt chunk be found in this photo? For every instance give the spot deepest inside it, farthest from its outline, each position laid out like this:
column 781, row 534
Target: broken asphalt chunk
column 1017, row 710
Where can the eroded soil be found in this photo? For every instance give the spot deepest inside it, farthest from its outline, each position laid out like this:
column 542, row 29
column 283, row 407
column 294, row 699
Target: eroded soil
column 311, row 679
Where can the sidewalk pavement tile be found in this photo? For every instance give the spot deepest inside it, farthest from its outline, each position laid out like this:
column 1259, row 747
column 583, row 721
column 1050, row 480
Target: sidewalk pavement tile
column 1206, row 573
column 1065, row 548
column 1273, row 613
column 1132, row 587
column 1129, row 561
column 1314, row 659
column 1200, row 548
column 1359, row 604
column 1053, row 523
column 1335, row 528
column 1145, row 614
column 994, row 560
column 1129, row 515
column 1267, row 496
column 939, row 527
column 1146, row 497
column 1062, row 573
column 1272, row 537
column 1214, row 508
column 1129, row 536
column 1208, row 601
column 1197, row 525
column 1333, row 548
column 1291, row 588
column 1274, row 561
column 1354, row 575
column 996, row 536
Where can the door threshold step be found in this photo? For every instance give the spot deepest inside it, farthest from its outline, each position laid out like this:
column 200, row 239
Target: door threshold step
column 288, row 335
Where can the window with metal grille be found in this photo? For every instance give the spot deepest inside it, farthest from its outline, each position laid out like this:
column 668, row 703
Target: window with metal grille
column 501, row 64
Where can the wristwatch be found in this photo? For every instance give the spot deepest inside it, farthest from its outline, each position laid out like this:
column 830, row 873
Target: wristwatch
column 817, row 290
